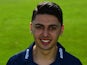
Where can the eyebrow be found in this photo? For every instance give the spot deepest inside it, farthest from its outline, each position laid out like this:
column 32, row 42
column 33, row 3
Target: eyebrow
column 39, row 24
column 48, row 25
column 53, row 25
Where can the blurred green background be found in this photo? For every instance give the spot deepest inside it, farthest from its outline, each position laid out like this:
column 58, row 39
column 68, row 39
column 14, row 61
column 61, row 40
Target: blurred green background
column 15, row 36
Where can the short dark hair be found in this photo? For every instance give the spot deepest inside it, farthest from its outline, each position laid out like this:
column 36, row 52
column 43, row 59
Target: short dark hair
column 48, row 8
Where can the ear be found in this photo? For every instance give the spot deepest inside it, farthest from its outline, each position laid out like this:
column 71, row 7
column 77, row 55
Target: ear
column 30, row 26
column 62, row 29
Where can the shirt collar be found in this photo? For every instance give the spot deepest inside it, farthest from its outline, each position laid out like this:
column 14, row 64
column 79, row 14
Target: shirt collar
column 59, row 56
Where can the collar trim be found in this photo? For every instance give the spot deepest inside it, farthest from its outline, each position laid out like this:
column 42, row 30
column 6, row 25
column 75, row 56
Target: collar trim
column 27, row 54
column 61, row 53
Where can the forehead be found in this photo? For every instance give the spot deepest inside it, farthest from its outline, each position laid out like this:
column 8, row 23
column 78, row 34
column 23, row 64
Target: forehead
column 46, row 19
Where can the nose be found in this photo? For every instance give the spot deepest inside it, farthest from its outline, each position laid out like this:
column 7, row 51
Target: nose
column 45, row 33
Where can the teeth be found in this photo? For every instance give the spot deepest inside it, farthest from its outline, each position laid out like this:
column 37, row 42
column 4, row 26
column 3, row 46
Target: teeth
column 45, row 40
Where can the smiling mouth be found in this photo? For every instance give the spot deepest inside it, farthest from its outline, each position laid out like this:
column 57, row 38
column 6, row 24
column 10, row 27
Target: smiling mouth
column 45, row 42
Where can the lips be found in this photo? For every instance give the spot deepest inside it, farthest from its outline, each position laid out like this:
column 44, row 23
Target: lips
column 45, row 41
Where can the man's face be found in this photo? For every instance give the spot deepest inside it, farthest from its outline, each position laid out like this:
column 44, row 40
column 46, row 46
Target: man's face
column 46, row 30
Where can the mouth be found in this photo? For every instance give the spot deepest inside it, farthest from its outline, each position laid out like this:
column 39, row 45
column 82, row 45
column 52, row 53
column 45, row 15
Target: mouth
column 45, row 42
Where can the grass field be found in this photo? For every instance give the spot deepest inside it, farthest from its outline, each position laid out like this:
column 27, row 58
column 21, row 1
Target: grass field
column 15, row 36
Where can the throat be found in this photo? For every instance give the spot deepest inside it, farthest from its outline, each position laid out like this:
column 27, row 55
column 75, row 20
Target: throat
column 44, row 56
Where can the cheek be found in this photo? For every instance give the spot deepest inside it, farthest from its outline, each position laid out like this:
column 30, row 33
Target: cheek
column 56, row 34
column 36, row 33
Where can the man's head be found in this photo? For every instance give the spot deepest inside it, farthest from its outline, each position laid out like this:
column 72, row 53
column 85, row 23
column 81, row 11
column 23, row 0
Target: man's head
column 47, row 25
column 49, row 8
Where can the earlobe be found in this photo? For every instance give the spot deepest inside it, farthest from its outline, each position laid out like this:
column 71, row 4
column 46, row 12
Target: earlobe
column 62, row 29
column 30, row 26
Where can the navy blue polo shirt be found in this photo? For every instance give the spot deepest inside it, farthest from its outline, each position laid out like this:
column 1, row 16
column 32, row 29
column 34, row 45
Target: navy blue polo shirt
column 26, row 57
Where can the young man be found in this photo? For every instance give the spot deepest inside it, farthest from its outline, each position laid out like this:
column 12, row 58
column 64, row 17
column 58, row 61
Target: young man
column 46, row 27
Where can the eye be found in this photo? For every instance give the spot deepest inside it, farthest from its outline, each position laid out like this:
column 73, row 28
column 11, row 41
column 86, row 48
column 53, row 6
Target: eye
column 39, row 27
column 52, row 28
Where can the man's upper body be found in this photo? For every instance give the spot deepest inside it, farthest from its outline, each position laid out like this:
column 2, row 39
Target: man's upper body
column 46, row 26
column 26, row 58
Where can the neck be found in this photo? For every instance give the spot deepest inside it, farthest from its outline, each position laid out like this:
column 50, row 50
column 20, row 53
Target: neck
column 44, row 55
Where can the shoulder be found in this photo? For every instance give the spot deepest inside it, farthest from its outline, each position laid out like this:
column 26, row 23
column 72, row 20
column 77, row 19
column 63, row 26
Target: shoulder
column 17, row 59
column 71, row 60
